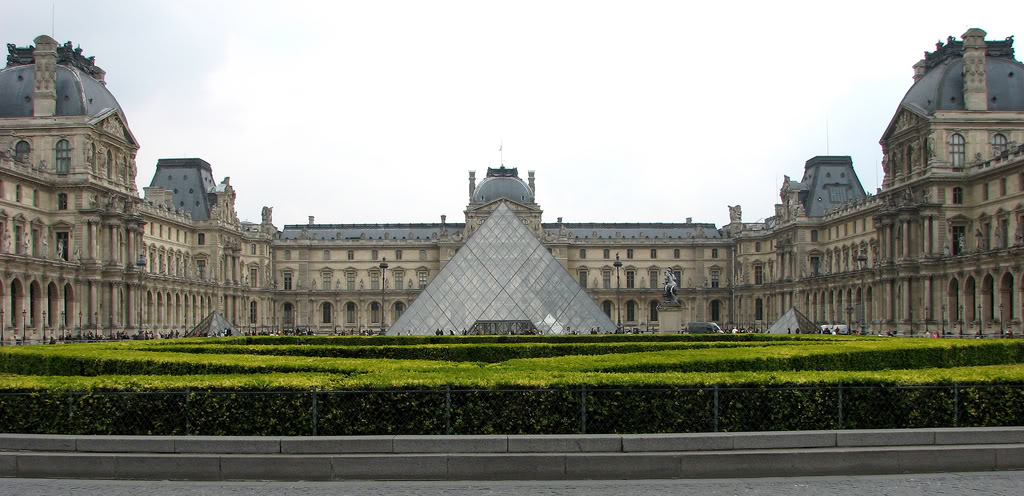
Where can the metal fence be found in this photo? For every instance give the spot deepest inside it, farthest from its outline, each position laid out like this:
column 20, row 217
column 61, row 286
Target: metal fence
column 511, row 411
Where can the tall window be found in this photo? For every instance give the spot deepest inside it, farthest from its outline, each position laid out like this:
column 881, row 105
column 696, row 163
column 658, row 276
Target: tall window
column 607, row 254
column 630, row 279
column 375, row 312
column 325, row 278
column 654, row 278
column 398, row 254
column 399, row 278
column 630, row 311
column 654, row 253
column 629, row 253
column 714, row 253
column 254, row 277
column 350, row 281
column 62, row 201
column 675, row 253
column 62, row 245
column 422, row 278
column 679, row 277
column 287, row 254
column 63, row 161
column 202, row 238
column 583, row 278
column 958, row 195
column 759, row 274
column 814, row 235
column 984, row 191
column 110, row 164
column 22, row 151
column 351, row 255
column 423, row 255
column 607, row 308
column 252, row 312
column 374, row 280
column 327, row 254
column 606, row 279
column 287, row 280
column 326, row 313
column 759, row 309
column 757, row 247
column 373, row 254
column 350, row 313
column 1002, row 186
column 910, row 159
column 252, row 248
column 957, row 150
column 715, row 274
column 654, row 311
column 583, row 254
column 998, row 143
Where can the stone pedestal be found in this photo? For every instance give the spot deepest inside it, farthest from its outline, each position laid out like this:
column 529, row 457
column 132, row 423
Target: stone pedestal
column 670, row 318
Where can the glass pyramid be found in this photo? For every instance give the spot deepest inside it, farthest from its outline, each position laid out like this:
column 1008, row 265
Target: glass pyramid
column 502, row 274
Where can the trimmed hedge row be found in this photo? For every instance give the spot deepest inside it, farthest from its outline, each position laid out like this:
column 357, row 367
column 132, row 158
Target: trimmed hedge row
column 527, row 411
column 502, row 339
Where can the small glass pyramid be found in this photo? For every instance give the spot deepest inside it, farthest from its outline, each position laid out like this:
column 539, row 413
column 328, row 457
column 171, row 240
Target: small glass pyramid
column 502, row 275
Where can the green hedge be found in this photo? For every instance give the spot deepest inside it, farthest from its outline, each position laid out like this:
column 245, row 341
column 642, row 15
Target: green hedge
column 528, row 411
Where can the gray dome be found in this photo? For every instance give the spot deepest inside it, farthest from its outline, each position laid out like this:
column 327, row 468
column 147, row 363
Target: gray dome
column 77, row 92
column 510, row 188
column 942, row 88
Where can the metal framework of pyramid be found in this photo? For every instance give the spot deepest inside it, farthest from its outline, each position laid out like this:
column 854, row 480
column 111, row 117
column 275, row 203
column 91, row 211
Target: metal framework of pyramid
column 502, row 274
column 792, row 321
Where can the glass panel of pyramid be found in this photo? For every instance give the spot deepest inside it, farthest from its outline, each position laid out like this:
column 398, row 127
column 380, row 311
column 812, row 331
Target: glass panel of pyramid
column 502, row 273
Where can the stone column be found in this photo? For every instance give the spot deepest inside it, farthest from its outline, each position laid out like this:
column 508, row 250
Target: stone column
column 928, row 301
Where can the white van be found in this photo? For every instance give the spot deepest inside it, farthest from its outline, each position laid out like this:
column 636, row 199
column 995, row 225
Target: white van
column 835, row 329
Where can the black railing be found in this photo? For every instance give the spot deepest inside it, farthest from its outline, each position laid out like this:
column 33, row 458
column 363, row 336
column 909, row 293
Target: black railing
column 511, row 411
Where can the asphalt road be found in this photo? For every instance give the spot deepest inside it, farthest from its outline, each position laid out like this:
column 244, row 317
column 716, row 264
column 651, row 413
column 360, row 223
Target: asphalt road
column 959, row 484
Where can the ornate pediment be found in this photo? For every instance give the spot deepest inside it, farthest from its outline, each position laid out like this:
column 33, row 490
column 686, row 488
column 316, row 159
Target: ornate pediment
column 905, row 120
column 113, row 125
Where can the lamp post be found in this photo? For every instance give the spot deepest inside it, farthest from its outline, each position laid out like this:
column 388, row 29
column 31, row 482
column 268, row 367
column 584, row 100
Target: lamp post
column 981, row 322
column 24, row 324
column 910, row 313
column 43, row 326
column 2, row 326
column 383, row 285
column 943, row 319
column 961, row 319
column 140, row 263
column 618, row 293
column 1000, row 320
column 79, row 325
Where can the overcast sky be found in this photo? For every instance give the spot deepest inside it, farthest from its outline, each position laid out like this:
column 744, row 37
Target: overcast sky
column 628, row 111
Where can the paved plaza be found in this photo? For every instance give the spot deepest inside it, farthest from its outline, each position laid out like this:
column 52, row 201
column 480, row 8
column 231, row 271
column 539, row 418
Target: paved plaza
column 955, row 484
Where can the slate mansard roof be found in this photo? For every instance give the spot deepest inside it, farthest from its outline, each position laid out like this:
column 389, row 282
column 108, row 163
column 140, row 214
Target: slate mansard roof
column 78, row 92
column 584, row 230
column 828, row 183
column 191, row 182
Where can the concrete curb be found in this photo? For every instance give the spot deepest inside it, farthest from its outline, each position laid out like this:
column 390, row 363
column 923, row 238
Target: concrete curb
column 628, row 456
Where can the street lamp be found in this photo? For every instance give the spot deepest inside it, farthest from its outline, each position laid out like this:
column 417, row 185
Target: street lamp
column 140, row 262
column 981, row 321
column 910, row 313
column 1000, row 320
column 383, row 285
column 961, row 319
column 2, row 326
column 43, row 326
column 24, row 324
column 79, row 325
column 618, row 293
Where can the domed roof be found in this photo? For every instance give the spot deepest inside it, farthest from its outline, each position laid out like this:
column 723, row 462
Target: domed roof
column 79, row 86
column 502, row 183
column 77, row 92
column 942, row 88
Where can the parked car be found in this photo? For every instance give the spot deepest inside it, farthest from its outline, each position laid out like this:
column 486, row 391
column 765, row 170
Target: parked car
column 702, row 328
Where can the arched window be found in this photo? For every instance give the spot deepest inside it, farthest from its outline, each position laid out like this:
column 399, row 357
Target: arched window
column 999, row 143
column 63, row 161
column 350, row 313
column 654, row 311
column 375, row 312
column 759, row 309
column 252, row 312
column 399, row 309
column 327, row 312
column 630, row 311
column 607, row 308
column 109, row 164
column 957, row 150
column 715, row 311
column 289, row 315
column 958, row 195
column 22, row 150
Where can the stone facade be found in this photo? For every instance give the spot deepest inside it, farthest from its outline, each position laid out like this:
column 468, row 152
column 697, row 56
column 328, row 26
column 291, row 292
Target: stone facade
column 939, row 246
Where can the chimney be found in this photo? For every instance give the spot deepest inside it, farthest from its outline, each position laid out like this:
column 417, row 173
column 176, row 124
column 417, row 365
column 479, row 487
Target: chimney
column 559, row 221
column 975, row 85
column 472, row 184
column 533, row 185
column 44, row 103
column 919, row 70
column 311, row 220
column 689, row 220
column 444, row 218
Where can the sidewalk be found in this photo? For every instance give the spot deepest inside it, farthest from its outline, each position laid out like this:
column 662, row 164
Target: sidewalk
column 552, row 457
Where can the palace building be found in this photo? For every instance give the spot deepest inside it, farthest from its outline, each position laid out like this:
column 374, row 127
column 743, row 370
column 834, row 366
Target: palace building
column 938, row 247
